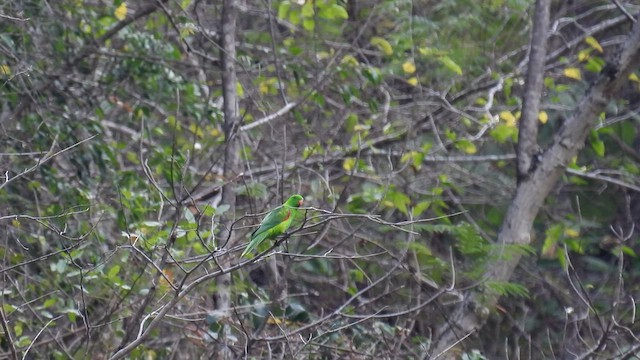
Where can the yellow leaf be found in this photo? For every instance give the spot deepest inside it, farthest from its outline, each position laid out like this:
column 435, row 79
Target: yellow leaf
column 382, row 44
column 121, row 11
column 196, row 130
column 263, row 87
column 415, row 158
column 573, row 73
column 322, row 55
column 543, row 117
column 426, row 51
column 584, row 55
column 413, row 81
column 571, row 233
column 277, row 321
column 349, row 60
column 634, row 77
column 84, row 27
column 594, row 43
column 5, row 70
column 348, row 163
column 409, row 67
column 239, row 89
column 406, row 157
column 508, row 118
column 187, row 31
column 470, row 148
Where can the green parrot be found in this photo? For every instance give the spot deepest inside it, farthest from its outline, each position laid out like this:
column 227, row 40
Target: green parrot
column 275, row 223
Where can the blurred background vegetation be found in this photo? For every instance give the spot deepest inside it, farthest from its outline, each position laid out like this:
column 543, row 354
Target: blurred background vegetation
column 397, row 121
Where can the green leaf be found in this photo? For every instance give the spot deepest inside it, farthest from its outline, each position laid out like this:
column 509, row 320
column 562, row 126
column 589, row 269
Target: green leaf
column 596, row 144
column 629, row 251
column 308, row 24
column 335, row 11
column 350, row 122
column 549, row 82
column 508, row 289
column 420, row 248
column 382, row 45
column 398, row 200
column 503, row 132
column 113, row 272
column 576, row 246
column 420, row 208
column 553, row 235
column 469, row 240
column 49, row 303
column 356, row 275
column 450, row 64
column 208, row 211
column 594, row 64
column 283, row 9
column 373, row 104
column 18, row 329
column 372, row 74
column 307, row 10
column 294, row 17
column 466, row 146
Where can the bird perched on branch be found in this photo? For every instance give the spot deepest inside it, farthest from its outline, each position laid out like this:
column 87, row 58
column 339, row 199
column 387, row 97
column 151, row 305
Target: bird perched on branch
column 277, row 222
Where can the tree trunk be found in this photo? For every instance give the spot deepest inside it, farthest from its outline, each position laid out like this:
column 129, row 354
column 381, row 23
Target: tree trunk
column 231, row 162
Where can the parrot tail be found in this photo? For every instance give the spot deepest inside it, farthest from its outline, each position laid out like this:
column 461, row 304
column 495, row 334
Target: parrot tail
column 254, row 243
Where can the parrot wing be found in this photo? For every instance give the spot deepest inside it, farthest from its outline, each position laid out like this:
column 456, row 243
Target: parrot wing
column 271, row 226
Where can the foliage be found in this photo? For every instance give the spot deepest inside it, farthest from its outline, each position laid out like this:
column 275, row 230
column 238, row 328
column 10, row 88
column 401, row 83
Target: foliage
column 389, row 115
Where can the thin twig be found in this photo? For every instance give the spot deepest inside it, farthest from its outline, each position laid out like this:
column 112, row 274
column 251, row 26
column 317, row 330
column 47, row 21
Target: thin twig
column 14, row 18
column 7, row 334
column 624, row 11
column 24, row 356
column 45, row 159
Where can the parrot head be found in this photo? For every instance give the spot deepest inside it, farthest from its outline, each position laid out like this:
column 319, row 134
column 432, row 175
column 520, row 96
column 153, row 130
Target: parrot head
column 295, row 201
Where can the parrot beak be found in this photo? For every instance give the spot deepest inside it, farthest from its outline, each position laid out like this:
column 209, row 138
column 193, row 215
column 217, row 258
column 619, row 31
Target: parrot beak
column 300, row 202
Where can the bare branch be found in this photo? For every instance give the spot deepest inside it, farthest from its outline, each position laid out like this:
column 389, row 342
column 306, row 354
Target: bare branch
column 8, row 334
column 14, row 18
column 285, row 109
column 624, row 11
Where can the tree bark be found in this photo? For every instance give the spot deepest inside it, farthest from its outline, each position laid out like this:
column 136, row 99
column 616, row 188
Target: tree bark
column 531, row 192
column 528, row 128
column 231, row 161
